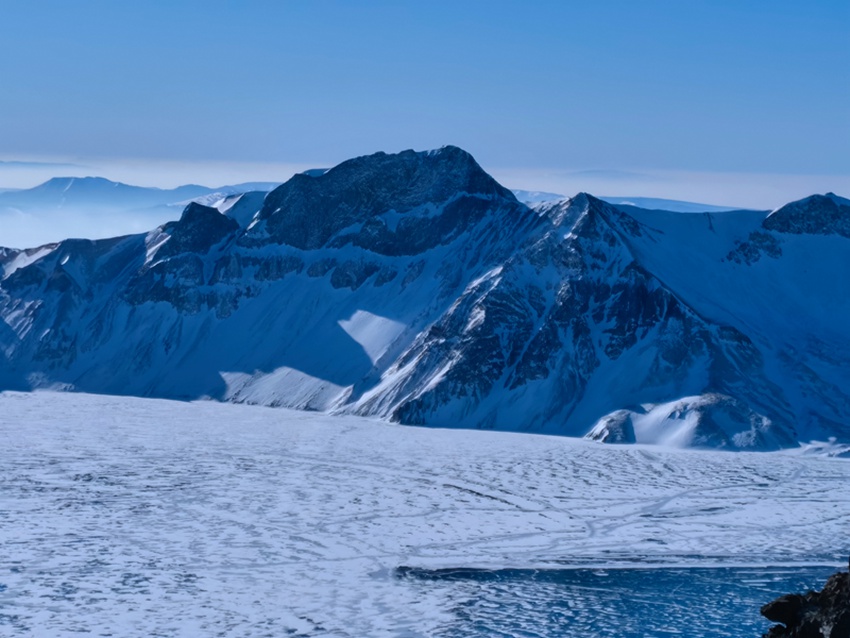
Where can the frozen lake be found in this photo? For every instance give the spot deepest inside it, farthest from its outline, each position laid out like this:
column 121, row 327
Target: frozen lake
column 134, row 517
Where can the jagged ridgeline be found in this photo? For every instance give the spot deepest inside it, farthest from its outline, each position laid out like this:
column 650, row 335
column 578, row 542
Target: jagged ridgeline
column 416, row 288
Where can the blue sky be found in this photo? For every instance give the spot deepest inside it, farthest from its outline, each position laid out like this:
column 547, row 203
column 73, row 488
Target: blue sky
column 539, row 92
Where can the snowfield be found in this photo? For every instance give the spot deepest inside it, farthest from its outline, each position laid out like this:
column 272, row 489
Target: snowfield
column 140, row 517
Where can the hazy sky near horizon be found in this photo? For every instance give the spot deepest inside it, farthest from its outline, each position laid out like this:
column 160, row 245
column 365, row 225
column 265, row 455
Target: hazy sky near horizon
column 720, row 93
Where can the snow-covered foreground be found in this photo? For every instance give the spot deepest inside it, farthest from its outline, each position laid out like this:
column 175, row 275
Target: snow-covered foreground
column 136, row 517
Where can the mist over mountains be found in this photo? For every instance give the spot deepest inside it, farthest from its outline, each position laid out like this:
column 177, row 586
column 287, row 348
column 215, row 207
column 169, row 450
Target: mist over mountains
column 414, row 287
column 95, row 207
column 99, row 192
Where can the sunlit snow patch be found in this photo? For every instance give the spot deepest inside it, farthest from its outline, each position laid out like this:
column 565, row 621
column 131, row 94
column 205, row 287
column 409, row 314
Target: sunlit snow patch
column 26, row 257
column 302, row 391
column 374, row 333
column 154, row 240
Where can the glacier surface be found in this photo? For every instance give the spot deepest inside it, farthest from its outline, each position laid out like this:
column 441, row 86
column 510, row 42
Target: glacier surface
column 142, row 517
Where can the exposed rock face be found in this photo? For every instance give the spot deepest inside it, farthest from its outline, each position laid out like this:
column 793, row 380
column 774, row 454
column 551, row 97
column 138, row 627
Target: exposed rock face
column 824, row 614
column 416, row 288
column 391, row 204
column 199, row 229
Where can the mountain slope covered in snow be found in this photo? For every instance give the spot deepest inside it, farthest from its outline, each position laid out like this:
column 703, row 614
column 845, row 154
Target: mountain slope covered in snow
column 416, row 288
column 139, row 517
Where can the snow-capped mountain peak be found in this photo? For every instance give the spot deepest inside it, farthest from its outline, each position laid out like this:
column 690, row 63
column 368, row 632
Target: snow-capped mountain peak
column 414, row 287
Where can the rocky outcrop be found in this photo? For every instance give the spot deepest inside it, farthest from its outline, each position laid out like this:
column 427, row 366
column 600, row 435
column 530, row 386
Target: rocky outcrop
column 823, row 614
column 199, row 229
column 817, row 215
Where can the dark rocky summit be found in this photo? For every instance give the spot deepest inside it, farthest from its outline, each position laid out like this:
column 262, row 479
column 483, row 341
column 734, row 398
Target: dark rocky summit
column 823, row 614
column 388, row 204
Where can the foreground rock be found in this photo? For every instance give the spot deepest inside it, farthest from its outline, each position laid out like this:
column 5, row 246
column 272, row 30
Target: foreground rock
column 824, row 614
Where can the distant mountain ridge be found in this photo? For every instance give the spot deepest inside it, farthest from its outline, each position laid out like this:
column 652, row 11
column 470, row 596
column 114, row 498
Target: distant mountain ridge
column 414, row 287
column 533, row 198
column 60, row 192
column 673, row 205
column 95, row 207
